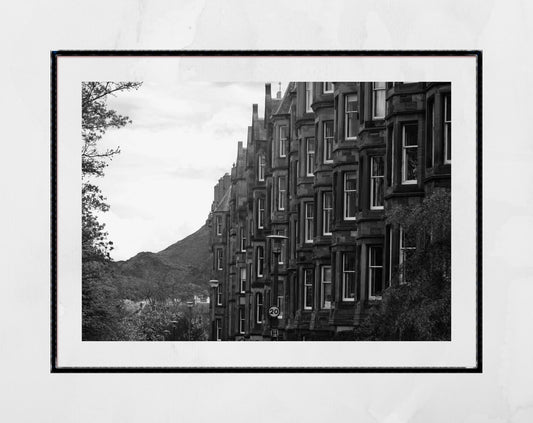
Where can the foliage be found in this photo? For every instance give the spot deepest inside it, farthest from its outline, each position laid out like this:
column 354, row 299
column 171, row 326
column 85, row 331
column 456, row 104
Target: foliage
column 97, row 118
column 102, row 308
column 420, row 309
column 167, row 321
column 105, row 312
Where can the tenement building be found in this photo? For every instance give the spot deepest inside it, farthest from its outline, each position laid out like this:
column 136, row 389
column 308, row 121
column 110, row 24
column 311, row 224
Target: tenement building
column 301, row 247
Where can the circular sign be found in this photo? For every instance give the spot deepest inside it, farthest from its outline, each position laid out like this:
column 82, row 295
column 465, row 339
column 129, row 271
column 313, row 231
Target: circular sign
column 273, row 311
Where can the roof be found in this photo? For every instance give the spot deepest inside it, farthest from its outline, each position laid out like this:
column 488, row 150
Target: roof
column 223, row 205
column 285, row 104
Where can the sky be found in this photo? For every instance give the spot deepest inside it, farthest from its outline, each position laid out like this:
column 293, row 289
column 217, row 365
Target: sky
column 182, row 139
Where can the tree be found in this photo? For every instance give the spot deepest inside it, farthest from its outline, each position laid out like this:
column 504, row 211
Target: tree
column 421, row 308
column 101, row 305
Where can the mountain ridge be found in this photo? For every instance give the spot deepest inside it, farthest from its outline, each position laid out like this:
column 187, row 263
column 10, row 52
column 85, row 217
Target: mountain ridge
column 180, row 270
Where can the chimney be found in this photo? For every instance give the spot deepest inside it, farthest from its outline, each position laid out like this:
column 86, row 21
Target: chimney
column 267, row 90
column 278, row 95
column 255, row 115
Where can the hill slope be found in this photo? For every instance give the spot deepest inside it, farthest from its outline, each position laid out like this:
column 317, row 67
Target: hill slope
column 180, row 270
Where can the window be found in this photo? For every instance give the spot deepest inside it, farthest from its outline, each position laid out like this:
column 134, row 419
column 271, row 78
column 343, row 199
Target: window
column 260, row 213
column 350, row 195
column 393, row 157
column 259, row 308
column 243, row 239
column 219, row 225
column 260, row 254
column 378, row 100
column 407, row 249
column 430, row 148
column 242, row 281
column 325, row 288
column 389, row 230
column 220, row 259
column 348, row 277
column 280, row 303
column 351, row 116
column 282, row 190
column 310, row 156
column 327, row 212
column 375, row 272
column 308, row 96
column 447, row 128
column 218, row 329
column 219, row 295
column 409, row 153
column 327, row 87
column 261, row 167
column 308, row 289
column 309, row 217
column 242, row 320
column 377, row 175
column 283, row 141
column 281, row 255
column 328, row 141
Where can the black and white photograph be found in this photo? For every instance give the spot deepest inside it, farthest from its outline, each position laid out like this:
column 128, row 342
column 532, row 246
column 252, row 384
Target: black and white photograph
column 220, row 203
column 263, row 212
column 319, row 212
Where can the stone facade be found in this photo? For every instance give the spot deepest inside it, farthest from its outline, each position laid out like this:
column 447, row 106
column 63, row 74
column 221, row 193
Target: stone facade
column 319, row 171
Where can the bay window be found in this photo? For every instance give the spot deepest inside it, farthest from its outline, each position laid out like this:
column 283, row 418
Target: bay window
column 259, row 308
column 351, row 116
column 261, row 168
column 219, row 294
column 218, row 220
column 308, row 222
column 310, row 156
column 327, row 212
column 260, row 261
column 308, row 97
column 378, row 100
column 282, row 190
column 348, row 276
column 283, row 141
column 218, row 329
column 377, row 178
column 409, row 153
column 242, row 280
column 375, row 272
column 260, row 213
column 350, row 195
column 220, row 259
column 308, row 289
column 326, row 297
column 447, row 128
column 328, row 141
column 242, row 319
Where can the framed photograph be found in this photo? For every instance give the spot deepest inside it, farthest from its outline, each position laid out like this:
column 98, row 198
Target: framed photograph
column 302, row 202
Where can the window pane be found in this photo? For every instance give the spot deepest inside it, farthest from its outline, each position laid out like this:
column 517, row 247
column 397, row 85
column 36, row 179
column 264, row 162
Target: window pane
column 349, row 284
column 410, row 133
column 349, row 262
column 412, row 163
column 377, row 192
column 351, row 115
column 378, row 166
column 326, row 287
column 376, row 256
column 351, row 182
column 380, row 104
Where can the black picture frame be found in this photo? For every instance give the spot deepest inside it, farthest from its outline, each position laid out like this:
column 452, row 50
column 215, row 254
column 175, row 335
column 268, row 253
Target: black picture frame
column 477, row 54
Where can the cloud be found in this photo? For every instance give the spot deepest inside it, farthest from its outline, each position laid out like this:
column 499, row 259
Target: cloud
column 182, row 140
